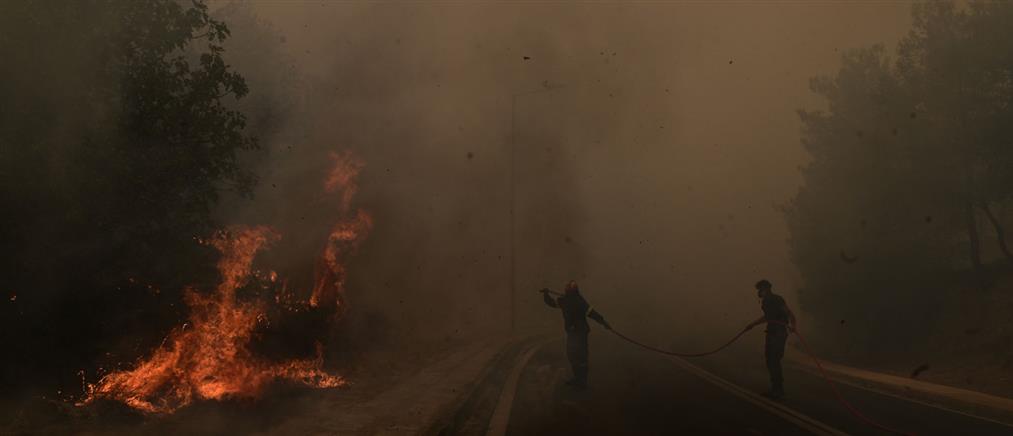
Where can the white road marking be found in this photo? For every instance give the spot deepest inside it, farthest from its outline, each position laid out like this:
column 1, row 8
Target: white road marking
column 802, row 421
column 501, row 416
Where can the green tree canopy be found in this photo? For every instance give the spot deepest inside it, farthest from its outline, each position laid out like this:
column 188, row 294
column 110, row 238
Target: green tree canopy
column 116, row 139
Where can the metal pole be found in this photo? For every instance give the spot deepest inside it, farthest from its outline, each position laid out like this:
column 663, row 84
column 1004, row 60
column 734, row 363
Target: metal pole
column 513, row 248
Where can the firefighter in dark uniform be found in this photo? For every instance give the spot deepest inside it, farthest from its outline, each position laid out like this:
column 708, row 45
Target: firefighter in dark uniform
column 575, row 313
column 780, row 320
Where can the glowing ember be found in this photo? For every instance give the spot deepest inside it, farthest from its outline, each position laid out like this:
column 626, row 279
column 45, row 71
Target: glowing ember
column 209, row 357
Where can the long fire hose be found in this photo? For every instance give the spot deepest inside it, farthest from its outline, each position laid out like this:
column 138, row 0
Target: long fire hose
column 840, row 398
column 833, row 386
column 672, row 353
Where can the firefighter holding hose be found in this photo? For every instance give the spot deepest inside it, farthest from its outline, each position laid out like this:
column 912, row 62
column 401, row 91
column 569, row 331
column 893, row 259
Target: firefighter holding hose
column 779, row 319
column 575, row 310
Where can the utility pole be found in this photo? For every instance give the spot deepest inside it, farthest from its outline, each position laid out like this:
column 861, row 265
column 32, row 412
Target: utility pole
column 513, row 246
column 546, row 87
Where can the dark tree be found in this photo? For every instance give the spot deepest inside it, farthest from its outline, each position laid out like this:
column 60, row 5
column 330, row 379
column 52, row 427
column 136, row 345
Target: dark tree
column 116, row 140
column 907, row 159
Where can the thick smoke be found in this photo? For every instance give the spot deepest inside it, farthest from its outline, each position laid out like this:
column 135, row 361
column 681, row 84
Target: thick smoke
column 435, row 139
column 654, row 146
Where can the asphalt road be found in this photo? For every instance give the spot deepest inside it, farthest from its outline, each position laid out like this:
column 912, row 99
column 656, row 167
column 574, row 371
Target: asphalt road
column 637, row 392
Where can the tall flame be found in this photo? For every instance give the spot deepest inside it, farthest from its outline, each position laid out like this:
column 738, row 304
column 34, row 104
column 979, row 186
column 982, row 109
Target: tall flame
column 209, row 357
column 344, row 237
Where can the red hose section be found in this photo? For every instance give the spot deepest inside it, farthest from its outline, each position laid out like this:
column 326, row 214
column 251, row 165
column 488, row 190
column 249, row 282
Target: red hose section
column 840, row 398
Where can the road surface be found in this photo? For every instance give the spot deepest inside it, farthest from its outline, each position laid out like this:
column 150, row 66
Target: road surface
column 637, row 392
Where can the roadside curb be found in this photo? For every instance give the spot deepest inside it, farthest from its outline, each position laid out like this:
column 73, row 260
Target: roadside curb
column 472, row 411
column 976, row 404
column 504, row 405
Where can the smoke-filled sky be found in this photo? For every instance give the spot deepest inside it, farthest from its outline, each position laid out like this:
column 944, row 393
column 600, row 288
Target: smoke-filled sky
column 667, row 134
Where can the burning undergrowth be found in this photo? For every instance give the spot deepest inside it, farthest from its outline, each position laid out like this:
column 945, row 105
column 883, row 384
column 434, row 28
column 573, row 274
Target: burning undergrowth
column 214, row 355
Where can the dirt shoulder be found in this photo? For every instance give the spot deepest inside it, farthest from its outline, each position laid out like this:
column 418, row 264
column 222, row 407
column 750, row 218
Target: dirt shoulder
column 389, row 392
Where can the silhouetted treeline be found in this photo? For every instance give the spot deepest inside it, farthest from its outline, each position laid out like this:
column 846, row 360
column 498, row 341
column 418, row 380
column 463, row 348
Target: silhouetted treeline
column 116, row 140
column 912, row 167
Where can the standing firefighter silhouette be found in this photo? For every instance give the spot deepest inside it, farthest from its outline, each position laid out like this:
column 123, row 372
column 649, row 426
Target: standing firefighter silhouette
column 575, row 310
column 779, row 319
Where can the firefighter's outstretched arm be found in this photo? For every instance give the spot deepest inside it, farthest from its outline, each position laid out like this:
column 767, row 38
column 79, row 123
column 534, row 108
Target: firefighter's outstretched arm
column 759, row 321
column 593, row 314
column 549, row 300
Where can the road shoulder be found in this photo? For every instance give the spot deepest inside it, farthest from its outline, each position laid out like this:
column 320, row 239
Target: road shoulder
column 964, row 401
column 475, row 408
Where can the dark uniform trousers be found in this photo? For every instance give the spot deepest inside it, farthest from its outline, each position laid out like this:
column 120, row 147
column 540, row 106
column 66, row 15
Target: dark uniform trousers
column 576, row 352
column 575, row 313
column 774, row 351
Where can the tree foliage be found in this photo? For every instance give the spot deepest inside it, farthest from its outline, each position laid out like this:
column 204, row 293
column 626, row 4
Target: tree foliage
column 116, row 139
column 907, row 158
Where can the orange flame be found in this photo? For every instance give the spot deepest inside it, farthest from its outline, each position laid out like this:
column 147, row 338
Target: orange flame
column 344, row 175
column 345, row 236
column 209, row 358
column 329, row 286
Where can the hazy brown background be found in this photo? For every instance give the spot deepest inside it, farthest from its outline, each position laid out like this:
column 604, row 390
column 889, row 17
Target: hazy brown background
column 653, row 175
